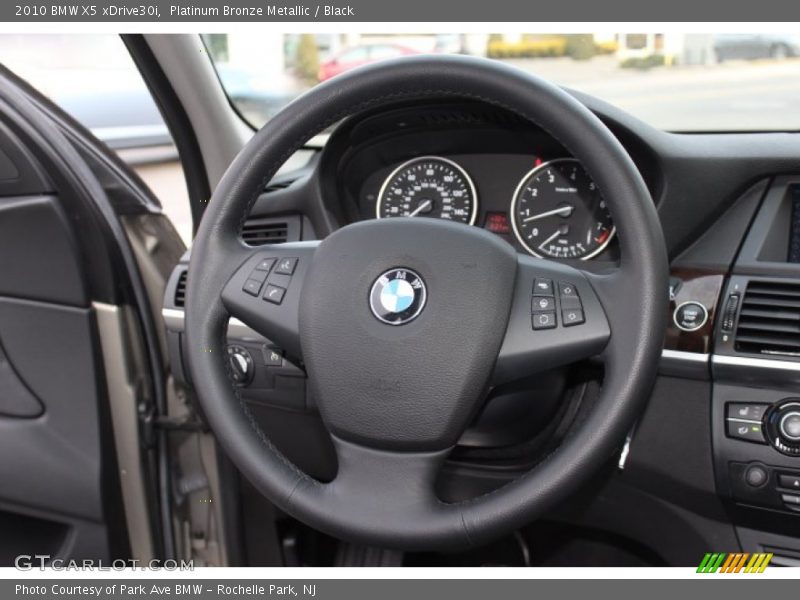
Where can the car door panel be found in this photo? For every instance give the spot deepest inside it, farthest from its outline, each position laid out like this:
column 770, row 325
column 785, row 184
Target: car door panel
column 50, row 381
column 38, row 258
column 51, row 347
column 16, row 399
column 63, row 255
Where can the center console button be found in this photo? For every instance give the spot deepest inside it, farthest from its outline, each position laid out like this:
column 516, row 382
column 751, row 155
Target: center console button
column 252, row 287
column 566, row 290
column 756, row 476
column 746, row 411
column 791, row 499
column 265, row 264
column 749, row 432
column 543, row 303
column 543, row 287
column 690, row 316
column 573, row 316
column 272, row 356
column 543, row 320
column 286, row 266
column 790, row 482
column 274, row 294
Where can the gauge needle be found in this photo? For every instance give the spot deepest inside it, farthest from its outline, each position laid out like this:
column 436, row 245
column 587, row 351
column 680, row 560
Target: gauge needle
column 422, row 206
column 551, row 238
column 564, row 211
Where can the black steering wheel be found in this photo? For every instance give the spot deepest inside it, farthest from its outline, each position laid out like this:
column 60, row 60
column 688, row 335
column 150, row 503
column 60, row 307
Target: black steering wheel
column 404, row 324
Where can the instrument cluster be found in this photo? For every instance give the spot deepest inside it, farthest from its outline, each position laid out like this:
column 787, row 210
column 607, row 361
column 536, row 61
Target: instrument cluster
column 550, row 208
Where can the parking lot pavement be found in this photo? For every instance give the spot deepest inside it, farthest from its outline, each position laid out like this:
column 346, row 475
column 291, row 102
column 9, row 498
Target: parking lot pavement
column 735, row 95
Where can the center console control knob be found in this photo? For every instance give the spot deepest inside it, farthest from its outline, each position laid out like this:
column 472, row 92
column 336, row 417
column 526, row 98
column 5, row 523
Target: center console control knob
column 789, row 426
column 782, row 426
column 241, row 364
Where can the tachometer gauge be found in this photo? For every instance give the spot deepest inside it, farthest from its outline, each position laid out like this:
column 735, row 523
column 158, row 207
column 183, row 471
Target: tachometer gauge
column 558, row 212
column 429, row 186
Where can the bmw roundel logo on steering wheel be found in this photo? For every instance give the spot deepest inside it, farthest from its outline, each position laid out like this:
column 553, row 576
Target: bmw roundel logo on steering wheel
column 397, row 296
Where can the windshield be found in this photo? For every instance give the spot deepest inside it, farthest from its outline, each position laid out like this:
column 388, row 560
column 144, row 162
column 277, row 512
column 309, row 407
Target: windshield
column 676, row 82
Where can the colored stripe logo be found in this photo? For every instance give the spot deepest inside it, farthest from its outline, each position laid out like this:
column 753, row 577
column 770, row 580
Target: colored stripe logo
column 736, row 562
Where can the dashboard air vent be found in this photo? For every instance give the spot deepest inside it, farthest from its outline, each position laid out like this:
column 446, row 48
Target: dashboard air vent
column 274, row 186
column 769, row 321
column 782, row 557
column 180, row 291
column 470, row 117
column 260, row 232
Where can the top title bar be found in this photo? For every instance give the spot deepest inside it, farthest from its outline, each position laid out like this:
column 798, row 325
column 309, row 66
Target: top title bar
column 603, row 11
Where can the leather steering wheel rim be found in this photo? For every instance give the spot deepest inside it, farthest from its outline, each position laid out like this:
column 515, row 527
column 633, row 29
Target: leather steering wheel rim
column 378, row 497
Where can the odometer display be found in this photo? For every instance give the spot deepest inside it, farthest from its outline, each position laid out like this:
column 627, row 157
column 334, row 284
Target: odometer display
column 429, row 186
column 558, row 212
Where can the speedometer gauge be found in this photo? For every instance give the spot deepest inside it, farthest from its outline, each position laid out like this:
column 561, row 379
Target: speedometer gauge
column 558, row 212
column 429, row 186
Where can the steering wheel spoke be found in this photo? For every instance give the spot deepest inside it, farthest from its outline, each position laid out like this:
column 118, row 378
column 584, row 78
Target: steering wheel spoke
column 556, row 318
column 407, row 478
column 386, row 495
column 264, row 292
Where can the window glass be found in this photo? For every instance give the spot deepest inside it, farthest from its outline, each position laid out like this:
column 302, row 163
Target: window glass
column 380, row 52
column 94, row 79
column 354, row 55
column 678, row 82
